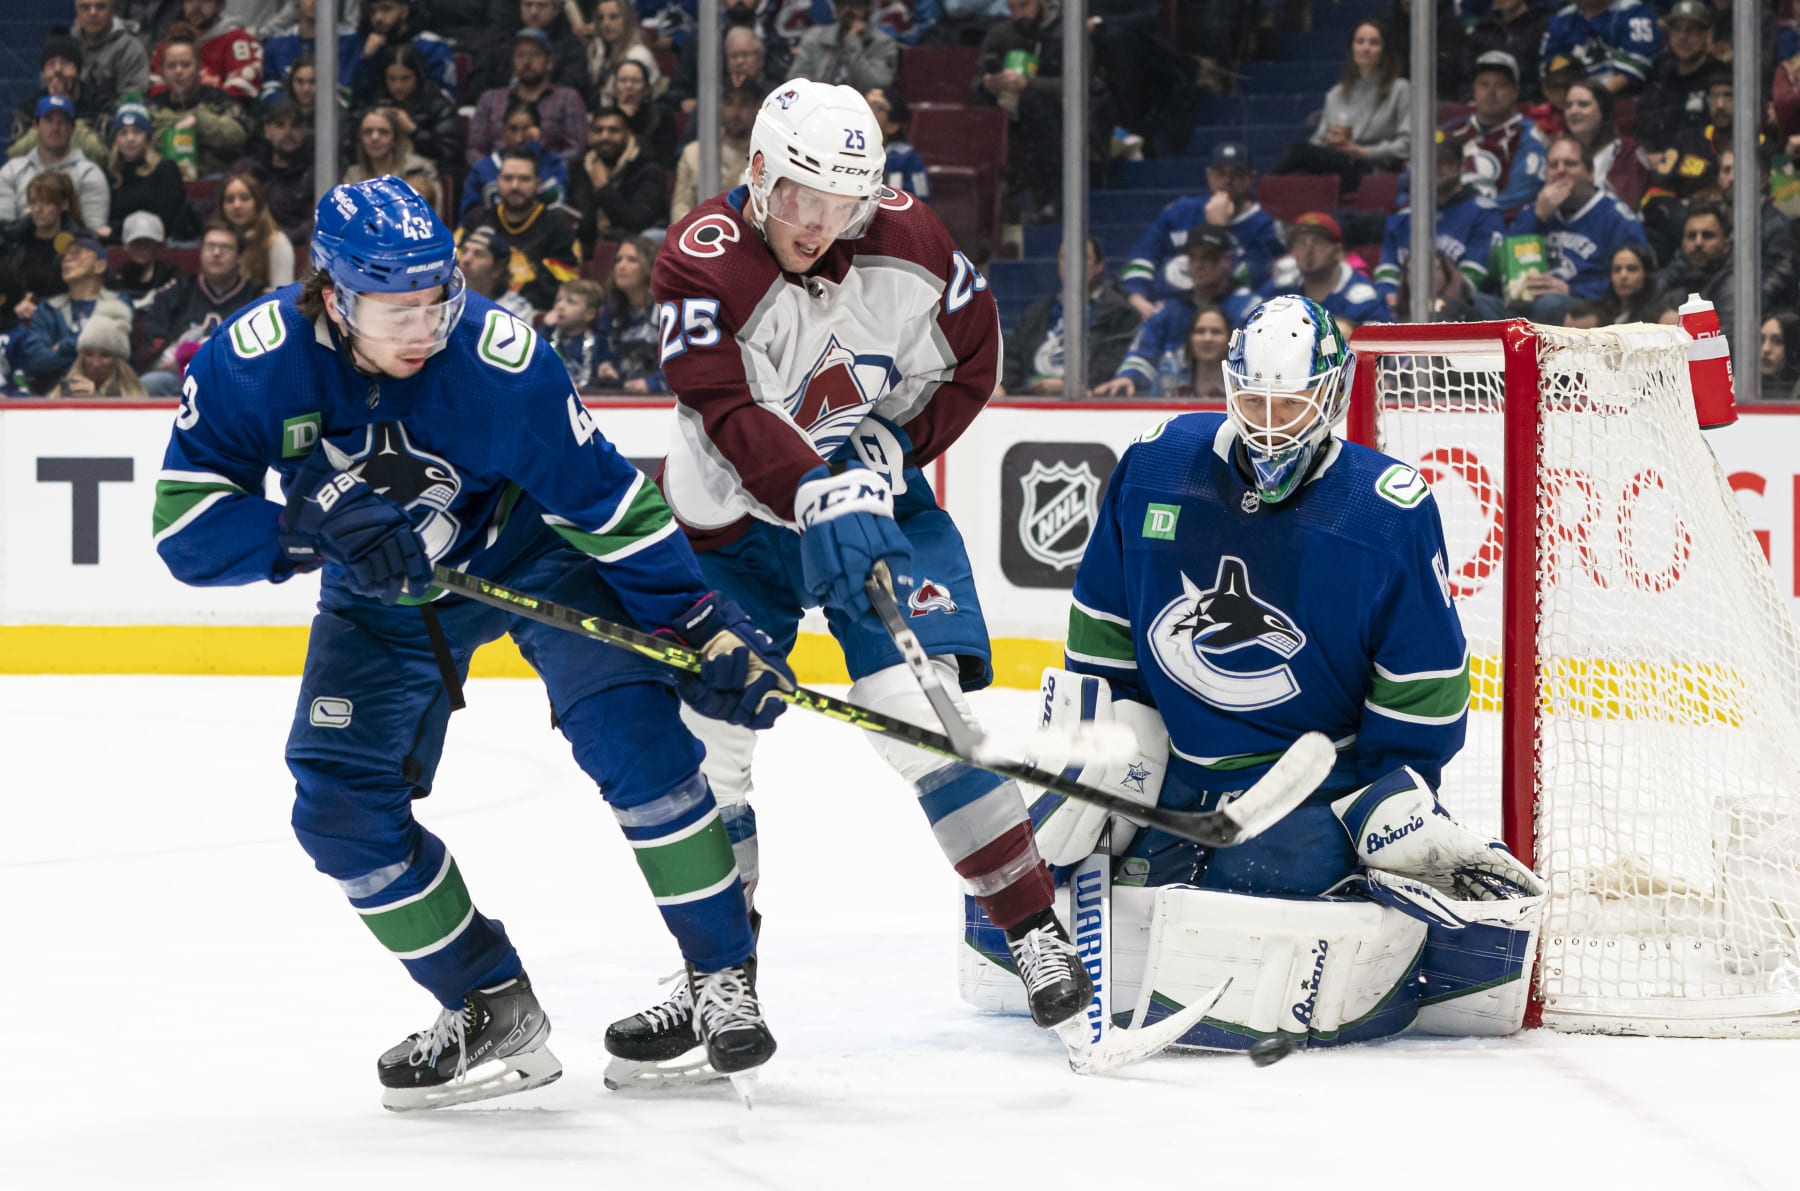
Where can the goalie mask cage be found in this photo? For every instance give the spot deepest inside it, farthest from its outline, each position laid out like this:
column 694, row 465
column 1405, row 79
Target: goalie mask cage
column 1634, row 723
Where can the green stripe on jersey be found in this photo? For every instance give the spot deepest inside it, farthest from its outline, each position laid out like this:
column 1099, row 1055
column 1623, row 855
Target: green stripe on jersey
column 1432, row 697
column 175, row 499
column 1102, row 639
column 644, row 518
column 426, row 921
column 694, row 863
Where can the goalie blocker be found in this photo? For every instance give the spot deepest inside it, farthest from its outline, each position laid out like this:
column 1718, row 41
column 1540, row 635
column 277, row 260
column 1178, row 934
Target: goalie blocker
column 1436, row 930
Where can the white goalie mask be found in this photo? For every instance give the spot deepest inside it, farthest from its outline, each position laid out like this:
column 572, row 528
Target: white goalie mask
column 1287, row 380
column 821, row 161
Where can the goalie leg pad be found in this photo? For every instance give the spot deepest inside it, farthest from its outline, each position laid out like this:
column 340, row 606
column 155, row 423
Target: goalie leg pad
column 977, row 817
column 1475, row 973
column 1321, row 973
column 1067, row 830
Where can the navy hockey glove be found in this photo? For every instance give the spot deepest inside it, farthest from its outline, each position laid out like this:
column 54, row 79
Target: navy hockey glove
column 847, row 526
column 741, row 670
column 336, row 516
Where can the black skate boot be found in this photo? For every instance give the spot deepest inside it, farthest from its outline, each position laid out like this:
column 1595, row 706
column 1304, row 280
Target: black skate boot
column 1055, row 980
column 495, row 1044
column 660, row 1045
column 729, row 1019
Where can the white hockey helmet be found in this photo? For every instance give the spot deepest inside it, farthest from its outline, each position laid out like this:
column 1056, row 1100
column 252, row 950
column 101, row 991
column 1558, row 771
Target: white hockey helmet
column 825, row 142
column 1287, row 380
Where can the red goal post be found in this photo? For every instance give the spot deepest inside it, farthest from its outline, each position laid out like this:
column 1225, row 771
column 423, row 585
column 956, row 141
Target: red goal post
column 1635, row 712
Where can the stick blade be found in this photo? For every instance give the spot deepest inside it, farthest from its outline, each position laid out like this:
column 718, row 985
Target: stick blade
column 1287, row 784
column 1122, row 1047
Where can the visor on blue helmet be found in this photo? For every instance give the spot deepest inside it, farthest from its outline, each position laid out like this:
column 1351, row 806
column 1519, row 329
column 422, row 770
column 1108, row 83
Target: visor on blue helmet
column 382, row 237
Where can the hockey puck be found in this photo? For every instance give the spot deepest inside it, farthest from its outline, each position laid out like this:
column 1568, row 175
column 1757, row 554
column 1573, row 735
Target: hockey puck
column 1270, row 1050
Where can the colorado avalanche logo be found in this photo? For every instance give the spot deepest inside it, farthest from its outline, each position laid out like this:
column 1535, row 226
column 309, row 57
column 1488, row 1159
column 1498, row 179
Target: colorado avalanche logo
column 788, row 98
column 709, row 235
column 1197, row 629
column 837, row 392
column 930, row 597
column 416, row 480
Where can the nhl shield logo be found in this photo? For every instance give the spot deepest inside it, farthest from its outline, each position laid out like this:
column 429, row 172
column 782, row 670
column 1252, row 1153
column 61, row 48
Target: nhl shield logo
column 1061, row 503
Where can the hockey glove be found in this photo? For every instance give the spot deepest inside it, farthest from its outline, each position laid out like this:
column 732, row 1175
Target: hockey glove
column 741, row 670
column 334, row 515
column 1069, row 829
column 847, row 526
column 1397, row 825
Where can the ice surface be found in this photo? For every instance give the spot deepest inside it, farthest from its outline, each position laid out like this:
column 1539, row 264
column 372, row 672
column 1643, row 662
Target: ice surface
column 190, row 1006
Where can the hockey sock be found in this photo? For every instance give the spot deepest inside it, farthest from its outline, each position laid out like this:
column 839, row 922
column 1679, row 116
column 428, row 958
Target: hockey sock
column 685, row 854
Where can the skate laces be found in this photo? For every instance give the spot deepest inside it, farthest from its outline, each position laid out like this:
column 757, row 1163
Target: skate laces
column 725, row 1003
column 675, row 1010
column 451, row 1025
column 1043, row 957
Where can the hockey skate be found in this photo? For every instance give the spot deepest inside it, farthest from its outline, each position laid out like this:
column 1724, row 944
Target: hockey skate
column 494, row 1045
column 729, row 1020
column 659, row 1047
column 1056, row 982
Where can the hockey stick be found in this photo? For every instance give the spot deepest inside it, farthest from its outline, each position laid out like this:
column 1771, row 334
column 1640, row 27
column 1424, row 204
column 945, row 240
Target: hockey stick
column 1283, row 788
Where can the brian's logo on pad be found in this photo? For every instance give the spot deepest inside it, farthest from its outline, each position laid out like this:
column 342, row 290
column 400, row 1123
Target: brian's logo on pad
column 930, row 597
column 1216, row 642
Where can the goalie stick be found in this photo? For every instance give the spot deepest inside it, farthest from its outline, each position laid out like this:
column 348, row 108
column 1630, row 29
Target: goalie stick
column 1284, row 787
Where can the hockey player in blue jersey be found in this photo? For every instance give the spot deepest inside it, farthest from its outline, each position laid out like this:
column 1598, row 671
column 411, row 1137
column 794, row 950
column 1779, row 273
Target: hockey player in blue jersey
column 1250, row 578
column 413, row 424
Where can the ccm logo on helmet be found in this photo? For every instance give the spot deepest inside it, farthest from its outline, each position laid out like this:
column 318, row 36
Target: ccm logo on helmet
column 709, row 235
column 854, row 172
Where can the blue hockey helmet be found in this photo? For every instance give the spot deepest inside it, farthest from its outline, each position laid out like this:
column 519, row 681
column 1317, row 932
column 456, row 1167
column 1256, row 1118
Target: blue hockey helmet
column 1287, row 380
column 382, row 237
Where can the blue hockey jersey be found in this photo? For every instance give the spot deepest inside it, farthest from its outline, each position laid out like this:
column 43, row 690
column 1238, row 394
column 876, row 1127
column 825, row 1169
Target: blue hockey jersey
column 484, row 447
column 1248, row 624
column 1353, row 296
column 1468, row 232
column 1581, row 245
column 1166, row 331
column 1158, row 268
column 1621, row 39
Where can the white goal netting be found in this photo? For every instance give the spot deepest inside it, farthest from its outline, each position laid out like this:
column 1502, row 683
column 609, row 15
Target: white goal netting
column 1667, row 726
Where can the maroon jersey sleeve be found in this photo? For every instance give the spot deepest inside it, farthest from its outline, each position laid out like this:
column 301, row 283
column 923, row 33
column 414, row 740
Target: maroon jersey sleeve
column 965, row 327
column 710, row 280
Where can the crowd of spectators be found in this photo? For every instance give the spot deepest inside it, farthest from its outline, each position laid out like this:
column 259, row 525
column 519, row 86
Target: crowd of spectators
column 558, row 138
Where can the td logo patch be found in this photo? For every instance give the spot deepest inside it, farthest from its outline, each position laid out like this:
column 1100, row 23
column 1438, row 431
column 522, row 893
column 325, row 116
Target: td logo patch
column 1159, row 521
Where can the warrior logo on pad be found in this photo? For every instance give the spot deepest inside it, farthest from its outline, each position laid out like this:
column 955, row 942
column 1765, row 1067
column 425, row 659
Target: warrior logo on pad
column 839, row 390
column 1193, row 634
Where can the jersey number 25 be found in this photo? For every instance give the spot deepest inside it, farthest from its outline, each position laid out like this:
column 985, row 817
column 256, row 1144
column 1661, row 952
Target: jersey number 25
column 692, row 323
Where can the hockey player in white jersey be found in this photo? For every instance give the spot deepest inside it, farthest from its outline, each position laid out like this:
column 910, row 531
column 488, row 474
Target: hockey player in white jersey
column 826, row 340
column 1250, row 578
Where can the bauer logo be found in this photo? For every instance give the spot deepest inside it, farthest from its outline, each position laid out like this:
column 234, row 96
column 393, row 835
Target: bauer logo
column 1049, row 499
column 329, row 712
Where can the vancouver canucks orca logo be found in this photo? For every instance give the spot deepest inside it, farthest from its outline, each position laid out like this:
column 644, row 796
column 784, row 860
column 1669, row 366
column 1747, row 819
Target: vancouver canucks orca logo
column 1195, row 631
column 419, row 482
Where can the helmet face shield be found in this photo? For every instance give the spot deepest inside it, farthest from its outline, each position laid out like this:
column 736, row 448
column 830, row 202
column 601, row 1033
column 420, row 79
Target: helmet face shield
column 408, row 329
column 817, row 213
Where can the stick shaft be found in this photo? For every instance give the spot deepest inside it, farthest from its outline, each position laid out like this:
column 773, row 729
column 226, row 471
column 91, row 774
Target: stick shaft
column 1212, row 828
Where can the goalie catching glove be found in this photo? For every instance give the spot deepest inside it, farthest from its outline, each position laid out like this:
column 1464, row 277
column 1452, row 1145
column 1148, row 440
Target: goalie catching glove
column 1397, row 825
column 741, row 671
column 1071, row 829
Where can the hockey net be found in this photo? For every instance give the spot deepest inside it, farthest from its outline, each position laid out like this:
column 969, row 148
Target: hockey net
column 1634, row 730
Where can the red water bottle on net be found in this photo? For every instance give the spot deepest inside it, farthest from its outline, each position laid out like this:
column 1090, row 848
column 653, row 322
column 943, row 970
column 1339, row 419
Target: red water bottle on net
column 1709, row 364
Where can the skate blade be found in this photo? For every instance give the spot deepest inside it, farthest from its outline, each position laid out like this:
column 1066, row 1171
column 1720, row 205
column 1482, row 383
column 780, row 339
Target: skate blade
column 744, row 1084
column 1120, row 1047
column 497, row 1077
column 688, row 1070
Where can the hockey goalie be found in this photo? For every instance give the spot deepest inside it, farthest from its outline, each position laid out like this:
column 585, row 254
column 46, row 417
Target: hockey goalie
column 1252, row 577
